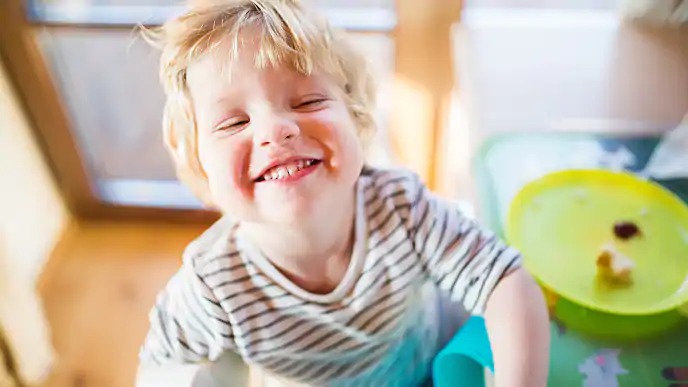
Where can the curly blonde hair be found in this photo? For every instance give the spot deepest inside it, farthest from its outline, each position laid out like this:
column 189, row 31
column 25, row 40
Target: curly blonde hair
column 288, row 34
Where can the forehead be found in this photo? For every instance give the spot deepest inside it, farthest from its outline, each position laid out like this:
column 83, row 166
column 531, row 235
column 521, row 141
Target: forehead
column 230, row 59
column 228, row 69
column 212, row 80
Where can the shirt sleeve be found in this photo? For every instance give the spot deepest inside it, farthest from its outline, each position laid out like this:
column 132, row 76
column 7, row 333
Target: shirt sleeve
column 463, row 259
column 187, row 323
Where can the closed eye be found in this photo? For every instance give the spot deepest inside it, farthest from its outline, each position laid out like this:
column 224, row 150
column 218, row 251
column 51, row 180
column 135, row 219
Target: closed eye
column 310, row 104
column 231, row 126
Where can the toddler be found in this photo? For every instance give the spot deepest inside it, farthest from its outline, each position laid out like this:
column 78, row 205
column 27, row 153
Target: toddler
column 322, row 270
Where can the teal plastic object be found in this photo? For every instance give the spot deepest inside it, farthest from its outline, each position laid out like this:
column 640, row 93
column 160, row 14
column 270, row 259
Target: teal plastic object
column 463, row 361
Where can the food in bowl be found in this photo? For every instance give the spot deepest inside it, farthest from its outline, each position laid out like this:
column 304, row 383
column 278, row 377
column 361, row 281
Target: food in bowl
column 614, row 267
column 626, row 230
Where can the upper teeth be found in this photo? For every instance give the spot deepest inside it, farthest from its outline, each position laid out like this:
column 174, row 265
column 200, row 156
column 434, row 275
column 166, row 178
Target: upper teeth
column 286, row 170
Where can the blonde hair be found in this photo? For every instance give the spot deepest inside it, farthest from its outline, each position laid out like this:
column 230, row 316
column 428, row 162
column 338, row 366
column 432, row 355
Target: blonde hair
column 287, row 35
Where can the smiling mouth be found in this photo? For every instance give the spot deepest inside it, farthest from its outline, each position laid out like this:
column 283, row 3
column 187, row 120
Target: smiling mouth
column 290, row 170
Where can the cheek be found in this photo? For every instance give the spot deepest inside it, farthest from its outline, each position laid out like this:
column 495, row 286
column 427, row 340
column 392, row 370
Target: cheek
column 226, row 162
column 336, row 131
column 347, row 150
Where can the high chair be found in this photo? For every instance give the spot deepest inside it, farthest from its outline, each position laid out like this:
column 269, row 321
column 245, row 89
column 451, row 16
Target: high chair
column 464, row 360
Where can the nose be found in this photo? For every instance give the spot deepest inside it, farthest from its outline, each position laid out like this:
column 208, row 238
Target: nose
column 277, row 131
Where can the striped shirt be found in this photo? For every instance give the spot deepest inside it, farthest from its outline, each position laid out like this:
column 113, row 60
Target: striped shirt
column 378, row 327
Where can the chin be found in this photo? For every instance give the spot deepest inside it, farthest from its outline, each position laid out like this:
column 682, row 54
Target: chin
column 287, row 213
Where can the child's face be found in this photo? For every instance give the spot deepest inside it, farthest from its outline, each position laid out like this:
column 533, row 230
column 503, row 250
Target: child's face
column 276, row 146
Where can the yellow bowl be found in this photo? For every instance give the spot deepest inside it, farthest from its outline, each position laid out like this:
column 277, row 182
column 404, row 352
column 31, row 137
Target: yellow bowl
column 561, row 221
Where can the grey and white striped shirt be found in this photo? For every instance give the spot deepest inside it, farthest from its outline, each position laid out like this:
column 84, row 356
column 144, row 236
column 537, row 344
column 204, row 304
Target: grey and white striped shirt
column 380, row 326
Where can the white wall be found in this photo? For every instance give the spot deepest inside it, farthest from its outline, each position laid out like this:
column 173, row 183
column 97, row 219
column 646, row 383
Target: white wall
column 32, row 218
column 522, row 69
column 538, row 69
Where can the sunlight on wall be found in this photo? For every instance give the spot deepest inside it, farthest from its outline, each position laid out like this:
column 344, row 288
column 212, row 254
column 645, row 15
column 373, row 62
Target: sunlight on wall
column 455, row 154
column 409, row 126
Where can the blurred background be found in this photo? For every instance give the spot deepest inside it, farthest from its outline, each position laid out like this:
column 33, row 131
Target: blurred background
column 93, row 220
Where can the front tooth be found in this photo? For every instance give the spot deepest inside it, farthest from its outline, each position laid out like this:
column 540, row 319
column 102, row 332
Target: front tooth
column 299, row 165
column 281, row 172
column 291, row 168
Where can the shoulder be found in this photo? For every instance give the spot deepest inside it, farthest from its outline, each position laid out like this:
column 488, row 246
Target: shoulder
column 389, row 194
column 399, row 184
column 214, row 248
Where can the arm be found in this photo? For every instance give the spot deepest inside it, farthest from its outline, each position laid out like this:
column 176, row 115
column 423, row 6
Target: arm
column 476, row 268
column 187, row 325
column 182, row 375
column 518, row 327
column 228, row 370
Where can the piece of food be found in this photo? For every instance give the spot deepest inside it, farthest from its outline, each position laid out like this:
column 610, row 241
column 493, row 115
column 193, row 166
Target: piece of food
column 614, row 267
column 626, row 230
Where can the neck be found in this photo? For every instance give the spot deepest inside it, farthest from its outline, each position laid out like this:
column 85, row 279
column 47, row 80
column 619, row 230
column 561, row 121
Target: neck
column 316, row 248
